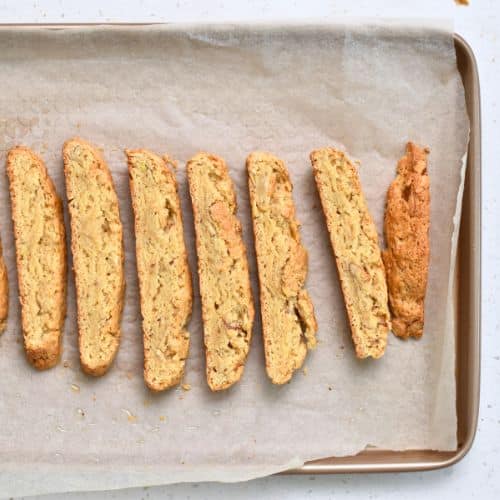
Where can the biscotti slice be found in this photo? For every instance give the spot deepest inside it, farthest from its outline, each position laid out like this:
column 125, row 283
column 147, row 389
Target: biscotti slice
column 40, row 254
column 164, row 279
column 226, row 298
column 355, row 244
column 406, row 226
column 4, row 292
column 97, row 246
column 288, row 321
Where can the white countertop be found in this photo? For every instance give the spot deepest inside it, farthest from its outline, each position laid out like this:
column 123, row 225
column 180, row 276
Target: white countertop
column 478, row 474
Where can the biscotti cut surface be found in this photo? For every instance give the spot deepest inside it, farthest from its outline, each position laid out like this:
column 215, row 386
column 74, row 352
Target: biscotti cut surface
column 288, row 321
column 97, row 246
column 164, row 278
column 355, row 244
column 4, row 292
column 406, row 226
column 226, row 297
column 40, row 255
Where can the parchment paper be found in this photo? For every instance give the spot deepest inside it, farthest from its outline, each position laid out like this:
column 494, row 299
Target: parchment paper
column 230, row 90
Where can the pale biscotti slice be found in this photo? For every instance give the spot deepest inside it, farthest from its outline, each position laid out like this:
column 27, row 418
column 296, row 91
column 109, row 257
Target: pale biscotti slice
column 98, row 255
column 226, row 297
column 164, row 278
column 40, row 254
column 4, row 292
column 406, row 226
column 288, row 321
column 355, row 244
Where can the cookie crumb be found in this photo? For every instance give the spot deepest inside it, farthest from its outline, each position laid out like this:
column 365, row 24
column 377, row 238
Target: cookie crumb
column 130, row 416
column 170, row 161
column 186, row 387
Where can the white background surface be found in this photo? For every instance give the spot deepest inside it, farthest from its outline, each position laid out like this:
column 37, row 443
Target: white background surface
column 478, row 474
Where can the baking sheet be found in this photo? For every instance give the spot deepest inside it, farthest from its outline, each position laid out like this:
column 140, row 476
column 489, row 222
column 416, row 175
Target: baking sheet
column 230, row 90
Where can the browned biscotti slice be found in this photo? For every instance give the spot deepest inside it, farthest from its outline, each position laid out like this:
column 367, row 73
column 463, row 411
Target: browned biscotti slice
column 98, row 255
column 288, row 321
column 355, row 244
column 164, row 278
column 40, row 254
column 226, row 297
column 4, row 292
column 406, row 226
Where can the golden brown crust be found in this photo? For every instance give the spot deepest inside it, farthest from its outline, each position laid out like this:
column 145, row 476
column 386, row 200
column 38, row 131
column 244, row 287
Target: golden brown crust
column 355, row 244
column 40, row 254
column 288, row 321
column 164, row 277
column 406, row 226
column 4, row 292
column 98, row 254
column 226, row 297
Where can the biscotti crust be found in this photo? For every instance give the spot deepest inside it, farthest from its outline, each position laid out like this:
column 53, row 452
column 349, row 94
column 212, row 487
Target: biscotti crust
column 227, row 306
column 98, row 254
column 40, row 255
column 355, row 244
column 406, row 227
column 4, row 292
column 288, row 320
column 163, row 271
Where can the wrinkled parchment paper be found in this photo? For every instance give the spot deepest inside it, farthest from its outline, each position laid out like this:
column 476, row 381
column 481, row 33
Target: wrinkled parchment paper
column 230, row 90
